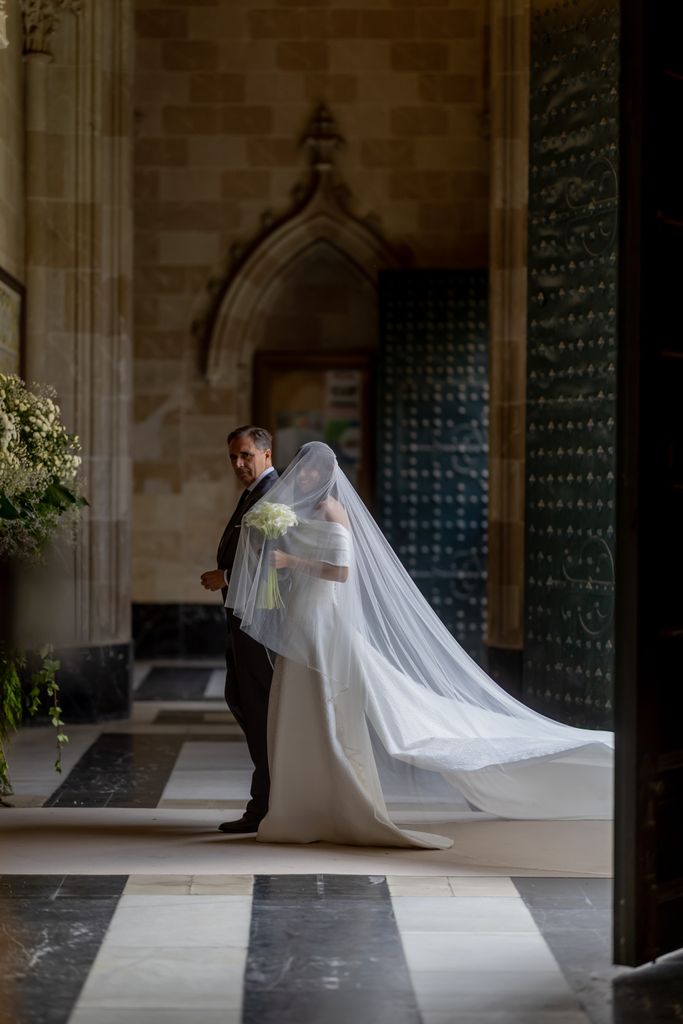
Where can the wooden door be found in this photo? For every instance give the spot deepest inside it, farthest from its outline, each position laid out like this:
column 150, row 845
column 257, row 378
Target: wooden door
column 648, row 918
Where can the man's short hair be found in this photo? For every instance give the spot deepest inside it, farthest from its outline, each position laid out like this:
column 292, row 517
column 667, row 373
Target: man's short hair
column 261, row 437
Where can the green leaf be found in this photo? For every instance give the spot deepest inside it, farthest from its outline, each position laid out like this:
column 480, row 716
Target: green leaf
column 7, row 509
column 58, row 496
column 74, row 499
column 62, row 737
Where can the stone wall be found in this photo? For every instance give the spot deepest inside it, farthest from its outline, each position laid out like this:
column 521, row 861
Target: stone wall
column 11, row 161
column 224, row 91
column 78, row 229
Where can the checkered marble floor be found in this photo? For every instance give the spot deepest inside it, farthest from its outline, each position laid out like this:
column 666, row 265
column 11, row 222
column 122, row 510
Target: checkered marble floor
column 122, row 903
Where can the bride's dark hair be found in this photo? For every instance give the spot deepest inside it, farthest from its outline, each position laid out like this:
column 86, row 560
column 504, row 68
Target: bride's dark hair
column 325, row 463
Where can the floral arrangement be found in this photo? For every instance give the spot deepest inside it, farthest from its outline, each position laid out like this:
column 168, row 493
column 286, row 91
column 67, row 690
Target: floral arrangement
column 272, row 520
column 39, row 463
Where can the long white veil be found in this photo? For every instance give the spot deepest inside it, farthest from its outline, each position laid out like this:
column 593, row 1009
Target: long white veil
column 441, row 728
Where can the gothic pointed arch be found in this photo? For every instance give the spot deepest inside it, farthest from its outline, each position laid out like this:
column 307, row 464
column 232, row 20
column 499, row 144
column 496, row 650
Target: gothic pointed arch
column 319, row 217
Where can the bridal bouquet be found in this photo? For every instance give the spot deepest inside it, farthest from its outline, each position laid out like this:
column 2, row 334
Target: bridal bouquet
column 272, row 520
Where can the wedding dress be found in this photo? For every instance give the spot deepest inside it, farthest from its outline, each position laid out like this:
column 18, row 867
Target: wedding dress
column 376, row 713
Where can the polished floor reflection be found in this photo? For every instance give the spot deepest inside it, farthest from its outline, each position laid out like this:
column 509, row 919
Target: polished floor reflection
column 121, row 904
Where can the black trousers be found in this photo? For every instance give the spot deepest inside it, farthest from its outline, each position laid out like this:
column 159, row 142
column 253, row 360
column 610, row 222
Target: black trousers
column 247, row 689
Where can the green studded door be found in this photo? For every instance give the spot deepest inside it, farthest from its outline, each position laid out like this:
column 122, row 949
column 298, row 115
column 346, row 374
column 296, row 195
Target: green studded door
column 432, row 468
column 571, row 411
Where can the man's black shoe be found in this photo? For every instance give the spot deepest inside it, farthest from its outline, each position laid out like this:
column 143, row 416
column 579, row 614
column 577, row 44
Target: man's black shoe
column 244, row 826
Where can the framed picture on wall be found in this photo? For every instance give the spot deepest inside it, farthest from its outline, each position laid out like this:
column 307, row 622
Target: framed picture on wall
column 11, row 323
column 304, row 397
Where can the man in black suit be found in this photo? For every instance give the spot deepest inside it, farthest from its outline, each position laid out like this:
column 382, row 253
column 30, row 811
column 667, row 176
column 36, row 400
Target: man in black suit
column 249, row 668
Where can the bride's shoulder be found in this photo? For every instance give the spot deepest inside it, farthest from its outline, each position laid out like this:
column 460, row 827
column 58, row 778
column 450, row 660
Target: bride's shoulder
column 331, row 510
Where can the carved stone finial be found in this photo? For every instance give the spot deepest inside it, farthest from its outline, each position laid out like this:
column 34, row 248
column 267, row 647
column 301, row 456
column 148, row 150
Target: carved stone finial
column 322, row 138
column 4, row 41
column 41, row 18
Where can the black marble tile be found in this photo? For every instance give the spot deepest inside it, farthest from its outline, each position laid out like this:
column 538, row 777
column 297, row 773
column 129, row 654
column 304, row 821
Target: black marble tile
column 567, row 893
column 179, row 630
column 91, row 886
column 574, row 916
column 52, row 927
column 120, row 770
column 599, row 891
column 95, row 683
column 22, row 886
column 284, row 887
column 170, row 683
column 175, row 716
column 574, row 920
column 334, row 1005
column 325, row 948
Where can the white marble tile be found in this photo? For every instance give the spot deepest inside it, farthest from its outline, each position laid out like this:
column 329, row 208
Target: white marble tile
column 175, row 977
column 211, row 756
column 161, row 885
column 140, row 840
column 504, row 1017
column 141, row 670
column 234, row 885
column 460, row 991
column 476, row 914
column 31, row 758
column 418, row 885
column 171, row 921
column 225, row 808
column 482, row 886
column 182, row 663
column 216, row 685
column 185, row 885
column 96, row 1015
column 208, row 785
column 477, row 951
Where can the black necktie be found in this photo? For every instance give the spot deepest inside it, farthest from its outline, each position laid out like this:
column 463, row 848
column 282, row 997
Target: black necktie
column 246, row 494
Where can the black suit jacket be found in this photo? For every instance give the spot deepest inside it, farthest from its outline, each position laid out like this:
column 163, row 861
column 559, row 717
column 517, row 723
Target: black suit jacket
column 227, row 549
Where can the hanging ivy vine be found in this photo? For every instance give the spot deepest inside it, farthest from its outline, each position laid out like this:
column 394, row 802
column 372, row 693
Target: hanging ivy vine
column 19, row 700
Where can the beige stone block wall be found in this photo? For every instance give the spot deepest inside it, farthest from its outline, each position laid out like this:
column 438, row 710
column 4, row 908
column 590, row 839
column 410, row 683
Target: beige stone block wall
column 78, row 223
column 508, row 320
column 11, row 160
column 224, row 90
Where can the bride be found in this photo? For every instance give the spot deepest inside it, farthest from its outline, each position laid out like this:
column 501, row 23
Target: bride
column 377, row 715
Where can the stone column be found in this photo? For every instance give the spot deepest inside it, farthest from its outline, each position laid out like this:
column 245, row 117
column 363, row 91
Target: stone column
column 78, row 276
column 40, row 19
column 510, row 22
column 4, row 38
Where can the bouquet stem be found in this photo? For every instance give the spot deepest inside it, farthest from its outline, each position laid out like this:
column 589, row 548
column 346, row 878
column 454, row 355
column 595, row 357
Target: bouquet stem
column 269, row 596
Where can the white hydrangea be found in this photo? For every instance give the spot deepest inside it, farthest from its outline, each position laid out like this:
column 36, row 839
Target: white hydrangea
column 36, row 454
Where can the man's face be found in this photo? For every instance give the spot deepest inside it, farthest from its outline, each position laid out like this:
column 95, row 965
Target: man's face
column 247, row 460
